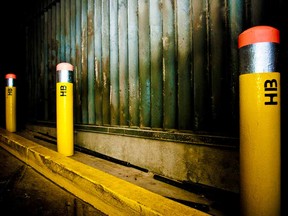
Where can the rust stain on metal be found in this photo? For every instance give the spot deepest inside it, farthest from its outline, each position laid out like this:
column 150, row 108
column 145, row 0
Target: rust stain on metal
column 90, row 28
column 97, row 71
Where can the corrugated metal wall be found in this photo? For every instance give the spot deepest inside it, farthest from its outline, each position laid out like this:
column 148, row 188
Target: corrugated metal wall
column 159, row 64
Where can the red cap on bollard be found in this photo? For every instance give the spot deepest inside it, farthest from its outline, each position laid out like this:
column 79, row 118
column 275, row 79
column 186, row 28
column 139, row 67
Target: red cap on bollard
column 64, row 66
column 10, row 75
column 258, row 34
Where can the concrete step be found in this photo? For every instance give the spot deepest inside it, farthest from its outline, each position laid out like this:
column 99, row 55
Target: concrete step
column 113, row 187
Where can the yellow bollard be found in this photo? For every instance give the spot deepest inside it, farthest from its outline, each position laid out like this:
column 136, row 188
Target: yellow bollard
column 259, row 91
column 10, row 92
column 64, row 103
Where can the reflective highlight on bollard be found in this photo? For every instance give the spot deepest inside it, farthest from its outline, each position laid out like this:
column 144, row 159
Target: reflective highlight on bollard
column 10, row 99
column 64, row 109
column 259, row 89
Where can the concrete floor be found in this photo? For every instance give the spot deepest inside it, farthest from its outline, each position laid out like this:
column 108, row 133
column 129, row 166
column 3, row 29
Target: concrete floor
column 23, row 191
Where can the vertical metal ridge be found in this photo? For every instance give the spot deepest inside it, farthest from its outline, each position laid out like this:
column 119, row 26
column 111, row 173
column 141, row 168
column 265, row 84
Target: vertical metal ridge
column 84, row 62
column 67, row 11
column 62, row 31
column 184, row 65
column 169, row 67
column 78, row 66
column 90, row 63
column 199, row 43
column 97, row 62
column 217, row 63
column 236, row 24
column 114, row 63
column 156, row 33
column 123, row 63
column 53, row 58
column 133, row 64
column 106, row 62
column 144, row 64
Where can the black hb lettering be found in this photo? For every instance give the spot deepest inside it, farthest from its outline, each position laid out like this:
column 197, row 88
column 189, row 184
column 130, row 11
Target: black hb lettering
column 10, row 90
column 271, row 86
column 63, row 89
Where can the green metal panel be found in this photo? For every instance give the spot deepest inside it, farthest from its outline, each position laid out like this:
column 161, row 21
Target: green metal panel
column 169, row 67
column 78, row 65
column 185, row 95
column 123, row 63
column 53, row 62
column 73, row 57
column 133, row 64
column 200, row 65
column 57, row 41
column 235, row 26
column 62, row 31
column 84, row 63
column 91, row 73
column 156, row 64
column 73, row 33
column 105, row 62
column 98, row 63
column 144, row 63
column 67, row 11
column 58, row 32
column 114, row 63
column 51, row 86
column 217, row 63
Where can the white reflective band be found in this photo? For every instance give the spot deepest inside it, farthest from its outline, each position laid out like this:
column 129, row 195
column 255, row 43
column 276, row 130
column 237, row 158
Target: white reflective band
column 259, row 57
column 64, row 76
column 10, row 82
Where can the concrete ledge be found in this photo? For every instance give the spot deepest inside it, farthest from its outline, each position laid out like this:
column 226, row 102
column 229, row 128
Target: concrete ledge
column 109, row 194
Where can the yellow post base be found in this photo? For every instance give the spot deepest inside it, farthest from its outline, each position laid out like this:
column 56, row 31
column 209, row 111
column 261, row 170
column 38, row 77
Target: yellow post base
column 65, row 136
column 260, row 144
column 10, row 93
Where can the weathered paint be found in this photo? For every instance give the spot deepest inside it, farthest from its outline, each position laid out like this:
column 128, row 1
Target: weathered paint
column 84, row 63
column 98, row 62
column 133, row 64
column 235, row 25
column 169, row 67
column 156, row 63
column 123, row 63
column 144, row 63
column 62, row 31
column 53, row 59
column 73, row 31
column 105, row 62
column 58, row 32
column 185, row 95
column 153, row 64
column 217, row 63
column 114, row 66
column 200, row 65
column 67, row 11
column 91, row 53
column 78, row 64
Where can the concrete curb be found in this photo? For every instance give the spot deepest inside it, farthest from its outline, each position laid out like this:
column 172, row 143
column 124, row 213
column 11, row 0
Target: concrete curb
column 109, row 194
